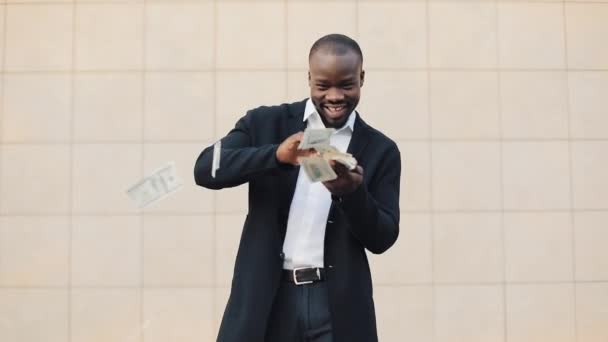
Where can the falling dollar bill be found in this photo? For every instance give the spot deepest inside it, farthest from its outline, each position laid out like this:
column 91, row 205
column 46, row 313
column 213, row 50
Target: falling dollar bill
column 318, row 169
column 315, row 137
column 157, row 185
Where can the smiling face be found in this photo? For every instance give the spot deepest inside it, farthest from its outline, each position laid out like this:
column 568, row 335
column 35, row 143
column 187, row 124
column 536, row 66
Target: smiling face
column 335, row 85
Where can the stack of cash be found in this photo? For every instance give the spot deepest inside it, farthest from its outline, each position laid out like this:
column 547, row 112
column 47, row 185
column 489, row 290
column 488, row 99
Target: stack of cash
column 155, row 186
column 317, row 167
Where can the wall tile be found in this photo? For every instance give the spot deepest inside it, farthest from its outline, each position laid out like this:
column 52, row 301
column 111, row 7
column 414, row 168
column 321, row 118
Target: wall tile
column 538, row 247
column 184, row 315
column 171, row 29
column 179, row 106
column 534, row 105
column 468, row 248
column 189, row 198
column 466, row 176
column 106, row 251
column 221, row 299
column 241, row 33
column 101, row 315
column 536, row 175
column 531, row 35
column 462, row 34
column 35, row 179
column 108, row 107
column 404, row 313
column 34, row 315
column 589, row 169
column 39, row 37
column 591, row 237
column 227, row 238
column 540, row 313
column 588, row 104
column 409, row 260
column 252, row 89
column 396, row 103
column 47, row 118
column 306, row 23
column 232, row 200
column 393, row 34
column 587, row 28
column 469, row 313
column 297, row 85
column 464, row 105
column 109, row 36
column 34, row 251
column 179, row 251
column 591, row 314
column 415, row 192
column 102, row 174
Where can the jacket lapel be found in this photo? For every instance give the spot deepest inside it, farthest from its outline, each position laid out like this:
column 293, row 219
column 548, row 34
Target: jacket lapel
column 359, row 139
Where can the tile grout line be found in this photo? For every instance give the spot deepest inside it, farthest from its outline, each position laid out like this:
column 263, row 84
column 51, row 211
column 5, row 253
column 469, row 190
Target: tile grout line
column 505, row 322
column 570, row 172
column 429, row 141
column 242, row 213
column 215, row 288
column 286, row 50
column 381, row 284
column 357, row 20
column 206, row 141
column 412, row 140
column 142, row 214
column 288, row 68
column 71, row 168
column 2, row 114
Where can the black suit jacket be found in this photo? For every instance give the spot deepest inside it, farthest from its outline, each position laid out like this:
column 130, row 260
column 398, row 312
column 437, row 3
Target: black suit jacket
column 365, row 219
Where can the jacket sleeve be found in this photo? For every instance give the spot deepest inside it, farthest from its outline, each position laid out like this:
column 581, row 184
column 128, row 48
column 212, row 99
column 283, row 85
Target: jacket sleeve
column 373, row 212
column 240, row 161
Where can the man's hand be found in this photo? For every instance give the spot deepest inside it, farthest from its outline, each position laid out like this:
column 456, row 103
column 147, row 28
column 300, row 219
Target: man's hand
column 347, row 181
column 288, row 152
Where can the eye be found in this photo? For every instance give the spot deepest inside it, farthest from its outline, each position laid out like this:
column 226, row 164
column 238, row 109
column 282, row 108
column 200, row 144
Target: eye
column 321, row 87
column 347, row 86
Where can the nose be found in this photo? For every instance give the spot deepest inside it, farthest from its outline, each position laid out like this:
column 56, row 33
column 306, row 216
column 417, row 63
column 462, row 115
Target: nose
column 334, row 95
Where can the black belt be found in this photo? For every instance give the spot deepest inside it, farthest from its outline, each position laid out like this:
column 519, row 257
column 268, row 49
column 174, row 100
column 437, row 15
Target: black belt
column 305, row 275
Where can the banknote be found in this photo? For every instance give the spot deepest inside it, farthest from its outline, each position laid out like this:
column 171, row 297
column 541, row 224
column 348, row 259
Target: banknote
column 329, row 152
column 317, row 169
column 345, row 159
column 315, row 137
column 155, row 186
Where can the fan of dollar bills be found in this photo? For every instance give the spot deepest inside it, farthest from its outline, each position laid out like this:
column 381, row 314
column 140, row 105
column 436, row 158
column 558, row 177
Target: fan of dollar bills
column 317, row 167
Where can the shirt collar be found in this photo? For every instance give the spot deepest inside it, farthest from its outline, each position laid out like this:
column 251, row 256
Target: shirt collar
column 311, row 112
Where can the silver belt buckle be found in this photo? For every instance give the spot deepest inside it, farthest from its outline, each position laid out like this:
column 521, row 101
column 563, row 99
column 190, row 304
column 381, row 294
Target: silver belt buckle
column 295, row 278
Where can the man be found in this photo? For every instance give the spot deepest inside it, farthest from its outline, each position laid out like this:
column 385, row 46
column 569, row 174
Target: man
column 301, row 271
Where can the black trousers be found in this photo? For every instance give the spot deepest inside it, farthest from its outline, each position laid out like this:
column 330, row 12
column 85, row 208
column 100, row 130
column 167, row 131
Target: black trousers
column 300, row 313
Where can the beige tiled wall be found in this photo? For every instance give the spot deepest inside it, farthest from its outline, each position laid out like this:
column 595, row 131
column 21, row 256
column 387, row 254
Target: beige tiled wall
column 499, row 107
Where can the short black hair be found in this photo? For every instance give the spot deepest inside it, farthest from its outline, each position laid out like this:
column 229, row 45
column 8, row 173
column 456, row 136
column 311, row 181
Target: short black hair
column 337, row 44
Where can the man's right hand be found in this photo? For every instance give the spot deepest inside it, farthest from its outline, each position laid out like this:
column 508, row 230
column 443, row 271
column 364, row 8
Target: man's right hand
column 288, row 152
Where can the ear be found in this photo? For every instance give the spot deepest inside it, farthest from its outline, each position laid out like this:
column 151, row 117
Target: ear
column 309, row 79
column 362, row 78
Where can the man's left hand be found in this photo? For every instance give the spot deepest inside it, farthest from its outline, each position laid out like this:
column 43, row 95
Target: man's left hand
column 347, row 181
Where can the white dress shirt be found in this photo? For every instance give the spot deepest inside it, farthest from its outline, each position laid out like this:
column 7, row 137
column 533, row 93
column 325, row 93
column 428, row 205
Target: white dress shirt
column 305, row 236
